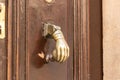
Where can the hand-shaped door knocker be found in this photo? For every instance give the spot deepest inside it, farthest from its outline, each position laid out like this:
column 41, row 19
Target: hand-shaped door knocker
column 61, row 53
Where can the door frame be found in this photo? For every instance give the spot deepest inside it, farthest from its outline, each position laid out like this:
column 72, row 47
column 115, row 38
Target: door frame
column 85, row 57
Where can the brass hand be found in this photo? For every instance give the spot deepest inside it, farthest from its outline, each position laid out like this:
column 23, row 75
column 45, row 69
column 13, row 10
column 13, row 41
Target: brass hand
column 61, row 53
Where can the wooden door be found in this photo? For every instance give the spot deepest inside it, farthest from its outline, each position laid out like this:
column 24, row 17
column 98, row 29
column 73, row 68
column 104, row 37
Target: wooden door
column 24, row 41
column 40, row 12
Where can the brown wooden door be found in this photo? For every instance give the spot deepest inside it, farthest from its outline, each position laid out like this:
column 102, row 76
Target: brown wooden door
column 24, row 41
column 28, row 42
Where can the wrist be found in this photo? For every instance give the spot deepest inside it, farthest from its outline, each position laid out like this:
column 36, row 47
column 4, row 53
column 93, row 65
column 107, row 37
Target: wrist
column 58, row 35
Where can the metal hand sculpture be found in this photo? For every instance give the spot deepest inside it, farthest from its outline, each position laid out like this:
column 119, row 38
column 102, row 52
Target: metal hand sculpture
column 61, row 53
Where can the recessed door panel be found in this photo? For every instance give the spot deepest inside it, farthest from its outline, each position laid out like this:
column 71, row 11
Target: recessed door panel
column 39, row 12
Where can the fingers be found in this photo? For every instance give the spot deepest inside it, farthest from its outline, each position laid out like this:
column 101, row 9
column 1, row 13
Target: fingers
column 62, row 51
column 58, row 53
column 66, row 54
column 62, row 54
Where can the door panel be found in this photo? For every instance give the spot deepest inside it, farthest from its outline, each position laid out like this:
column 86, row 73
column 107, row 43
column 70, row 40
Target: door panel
column 40, row 12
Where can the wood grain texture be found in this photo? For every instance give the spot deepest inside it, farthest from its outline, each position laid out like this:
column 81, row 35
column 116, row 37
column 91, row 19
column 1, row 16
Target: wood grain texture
column 9, row 40
column 81, row 40
column 16, row 40
column 87, row 40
